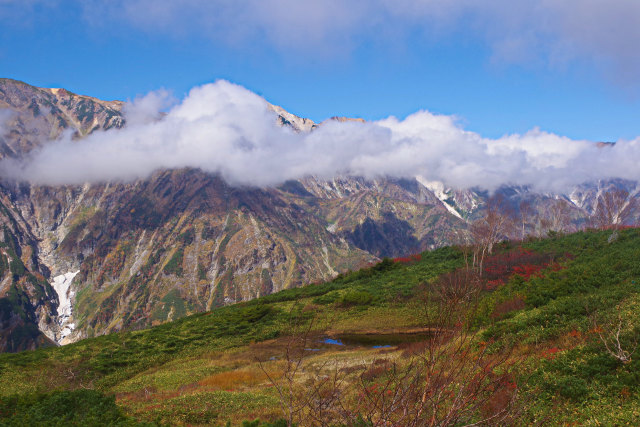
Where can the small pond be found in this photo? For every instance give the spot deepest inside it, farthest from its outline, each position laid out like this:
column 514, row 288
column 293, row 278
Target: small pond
column 375, row 340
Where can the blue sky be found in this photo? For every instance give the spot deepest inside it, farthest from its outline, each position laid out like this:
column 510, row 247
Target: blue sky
column 570, row 68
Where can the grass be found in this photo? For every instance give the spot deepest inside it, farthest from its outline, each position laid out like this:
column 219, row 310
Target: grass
column 203, row 369
column 170, row 375
column 233, row 380
column 205, row 408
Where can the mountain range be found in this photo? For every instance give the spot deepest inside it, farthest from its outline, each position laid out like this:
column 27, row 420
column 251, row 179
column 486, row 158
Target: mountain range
column 78, row 261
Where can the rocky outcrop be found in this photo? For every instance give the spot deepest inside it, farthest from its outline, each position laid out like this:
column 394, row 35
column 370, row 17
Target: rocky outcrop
column 38, row 115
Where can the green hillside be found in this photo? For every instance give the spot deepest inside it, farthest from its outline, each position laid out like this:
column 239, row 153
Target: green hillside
column 534, row 323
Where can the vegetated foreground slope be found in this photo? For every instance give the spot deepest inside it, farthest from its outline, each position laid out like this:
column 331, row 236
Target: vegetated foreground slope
column 549, row 302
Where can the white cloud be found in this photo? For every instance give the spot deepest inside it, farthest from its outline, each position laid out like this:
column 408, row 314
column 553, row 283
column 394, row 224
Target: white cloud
column 225, row 129
column 148, row 108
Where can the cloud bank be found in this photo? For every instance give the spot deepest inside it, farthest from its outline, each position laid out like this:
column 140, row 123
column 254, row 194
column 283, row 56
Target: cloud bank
column 225, row 129
column 554, row 32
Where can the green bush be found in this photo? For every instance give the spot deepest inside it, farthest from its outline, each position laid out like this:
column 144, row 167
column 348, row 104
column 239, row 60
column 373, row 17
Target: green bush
column 62, row 408
column 385, row 265
column 326, row 299
column 355, row 297
column 174, row 266
column 187, row 237
column 572, row 388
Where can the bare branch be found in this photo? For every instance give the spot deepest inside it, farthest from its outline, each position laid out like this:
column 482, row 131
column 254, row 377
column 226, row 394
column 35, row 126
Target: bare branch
column 610, row 337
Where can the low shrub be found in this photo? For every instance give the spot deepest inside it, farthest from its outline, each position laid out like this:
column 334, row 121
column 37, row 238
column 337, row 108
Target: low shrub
column 257, row 423
column 174, row 266
column 355, row 298
column 75, row 408
column 572, row 388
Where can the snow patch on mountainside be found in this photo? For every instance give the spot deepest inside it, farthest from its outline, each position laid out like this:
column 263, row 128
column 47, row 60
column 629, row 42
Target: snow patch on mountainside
column 62, row 285
column 438, row 189
column 579, row 198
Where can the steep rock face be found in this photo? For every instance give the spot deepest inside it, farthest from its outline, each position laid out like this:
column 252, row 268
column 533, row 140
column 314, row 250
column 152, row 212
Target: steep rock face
column 38, row 115
column 177, row 243
column 386, row 217
column 27, row 301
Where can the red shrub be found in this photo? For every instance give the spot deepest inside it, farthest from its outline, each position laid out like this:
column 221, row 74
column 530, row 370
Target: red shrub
column 575, row 334
column 408, row 259
column 493, row 284
column 528, row 270
column 523, row 262
column 550, row 353
column 515, row 303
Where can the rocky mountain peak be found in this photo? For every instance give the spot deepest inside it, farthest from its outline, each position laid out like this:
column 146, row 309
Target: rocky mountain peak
column 346, row 119
column 285, row 118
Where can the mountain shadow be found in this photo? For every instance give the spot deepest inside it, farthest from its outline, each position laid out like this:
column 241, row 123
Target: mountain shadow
column 388, row 237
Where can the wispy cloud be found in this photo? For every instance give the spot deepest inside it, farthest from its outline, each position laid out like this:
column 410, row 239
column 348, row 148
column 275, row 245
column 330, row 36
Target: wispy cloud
column 225, row 129
column 553, row 32
column 5, row 115
column 22, row 13
column 603, row 34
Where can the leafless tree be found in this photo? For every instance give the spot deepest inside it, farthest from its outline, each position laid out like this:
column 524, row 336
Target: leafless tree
column 613, row 208
column 457, row 286
column 462, row 239
column 526, row 213
column 308, row 393
column 293, row 399
column 559, row 216
column 497, row 224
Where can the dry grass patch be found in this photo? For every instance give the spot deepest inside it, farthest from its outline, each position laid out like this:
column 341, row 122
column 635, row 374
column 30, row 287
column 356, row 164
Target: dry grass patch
column 235, row 380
